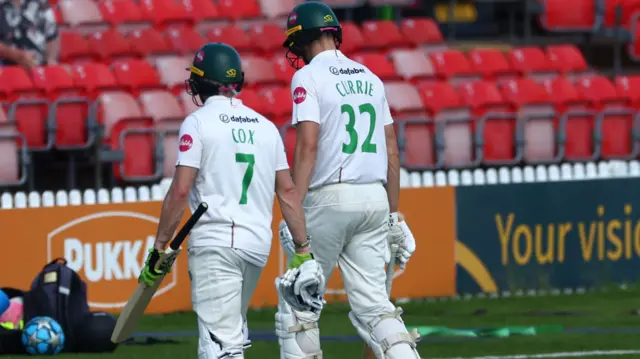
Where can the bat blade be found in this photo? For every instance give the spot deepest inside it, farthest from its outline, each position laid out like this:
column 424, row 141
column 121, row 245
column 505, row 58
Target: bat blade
column 133, row 311
column 391, row 269
column 139, row 301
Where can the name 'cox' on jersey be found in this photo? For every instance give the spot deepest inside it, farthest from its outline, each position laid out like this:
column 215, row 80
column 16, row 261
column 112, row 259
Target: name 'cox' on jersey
column 238, row 153
column 349, row 104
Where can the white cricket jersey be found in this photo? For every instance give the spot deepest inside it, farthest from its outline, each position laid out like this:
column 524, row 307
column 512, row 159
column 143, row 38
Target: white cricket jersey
column 348, row 102
column 237, row 152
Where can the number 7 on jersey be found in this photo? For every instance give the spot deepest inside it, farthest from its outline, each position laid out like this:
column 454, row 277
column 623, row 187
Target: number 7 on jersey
column 250, row 160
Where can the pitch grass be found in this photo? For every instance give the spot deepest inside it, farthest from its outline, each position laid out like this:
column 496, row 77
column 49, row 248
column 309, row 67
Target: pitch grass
column 608, row 310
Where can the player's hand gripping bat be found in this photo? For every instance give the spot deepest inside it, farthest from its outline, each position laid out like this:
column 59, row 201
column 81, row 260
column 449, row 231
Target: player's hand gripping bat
column 130, row 315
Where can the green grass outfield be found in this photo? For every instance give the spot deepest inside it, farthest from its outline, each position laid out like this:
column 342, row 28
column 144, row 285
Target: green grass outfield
column 593, row 322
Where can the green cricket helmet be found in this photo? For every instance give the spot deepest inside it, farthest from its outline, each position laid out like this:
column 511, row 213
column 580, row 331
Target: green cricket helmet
column 305, row 24
column 216, row 67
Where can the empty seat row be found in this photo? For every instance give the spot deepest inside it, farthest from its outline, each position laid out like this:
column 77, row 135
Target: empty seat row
column 88, row 13
column 493, row 64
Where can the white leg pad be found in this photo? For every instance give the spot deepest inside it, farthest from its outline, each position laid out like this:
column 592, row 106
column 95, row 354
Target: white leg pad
column 387, row 336
column 298, row 333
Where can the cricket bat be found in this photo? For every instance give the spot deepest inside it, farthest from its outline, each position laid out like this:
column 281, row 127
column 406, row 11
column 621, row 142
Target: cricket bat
column 391, row 268
column 138, row 302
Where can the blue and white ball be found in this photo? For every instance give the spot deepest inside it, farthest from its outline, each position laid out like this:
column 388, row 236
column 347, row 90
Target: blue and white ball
column 43, row 336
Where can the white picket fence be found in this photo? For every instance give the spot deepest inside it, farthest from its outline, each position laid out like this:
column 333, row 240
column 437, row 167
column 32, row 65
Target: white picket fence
column 478, row 177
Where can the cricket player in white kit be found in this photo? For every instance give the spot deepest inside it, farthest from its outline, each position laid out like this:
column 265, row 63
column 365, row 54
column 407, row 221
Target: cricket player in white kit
column 233, row 159
column 346, row 167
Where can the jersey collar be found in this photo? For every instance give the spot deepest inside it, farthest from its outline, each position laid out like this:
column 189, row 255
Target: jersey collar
column 219, row 98
column 327, row 54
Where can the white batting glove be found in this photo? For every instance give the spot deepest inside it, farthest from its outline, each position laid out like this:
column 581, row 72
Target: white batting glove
column 286, row 239
column 400, row 235
column 303, row 287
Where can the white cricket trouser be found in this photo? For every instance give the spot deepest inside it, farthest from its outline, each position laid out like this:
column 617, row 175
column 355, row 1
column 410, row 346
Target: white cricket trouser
column 222, row 284
column 348, row 225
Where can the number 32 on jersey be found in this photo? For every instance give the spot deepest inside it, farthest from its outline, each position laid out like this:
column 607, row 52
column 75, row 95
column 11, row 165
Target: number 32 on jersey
column 363, row 110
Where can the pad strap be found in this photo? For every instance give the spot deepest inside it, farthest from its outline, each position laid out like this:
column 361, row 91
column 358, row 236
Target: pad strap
column 302, row 327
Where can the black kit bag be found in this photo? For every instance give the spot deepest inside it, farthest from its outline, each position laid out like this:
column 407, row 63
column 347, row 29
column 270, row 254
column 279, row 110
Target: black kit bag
column 59, row 292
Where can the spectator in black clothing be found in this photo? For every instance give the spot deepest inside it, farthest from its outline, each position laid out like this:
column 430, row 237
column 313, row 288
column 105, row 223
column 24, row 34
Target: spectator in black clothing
column 28, row 33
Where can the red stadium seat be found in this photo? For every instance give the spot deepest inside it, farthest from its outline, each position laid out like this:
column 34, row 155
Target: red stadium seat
column 599, row 91
column 94, row 77
column 164, row 12
column 567, row 59
column 412, row 64
column 419, row 150
column 30, row 108
column 202, row 12
column 136, row 75
column 498, row 128
column 172, row 72
column 482, row 97
column 123, row 13
column 9, row 161
column 382, row 35
column 83, row 15
column 283, row 70
column 73, row 47
column 568, row 15
column 14, row 83
column 266, row 37
column 577, row 125
column 251, row 98
column 404, row 99
column 562, row 93
column 520, row 92
column 149, row 42
column 278, row 104
column 352, row 38
column 258, row 70
column 420, row 31
column 184, row 40
column 274, row 9
column 445, row 106
column 439, row 95
column 69, row 105
column 531, row 61
column 491, row 63
column 109, row 45
column 616, row 125
column 239, row 9
column 536, row 111
column 629, row 88
column 233, row 35
column 118, row 111
column 54, row 80
column 160, row 105
column 453, row 65
column 378, row 63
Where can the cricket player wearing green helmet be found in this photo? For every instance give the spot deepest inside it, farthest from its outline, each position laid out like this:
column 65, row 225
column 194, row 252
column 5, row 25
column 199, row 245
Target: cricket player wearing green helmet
column 346, row 167
column 232, row 158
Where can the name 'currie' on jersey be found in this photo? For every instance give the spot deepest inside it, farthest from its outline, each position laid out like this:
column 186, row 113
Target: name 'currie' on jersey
column 351, row 145
column 238, row 153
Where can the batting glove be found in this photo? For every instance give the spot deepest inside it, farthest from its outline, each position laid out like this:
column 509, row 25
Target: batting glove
column 150, row 273
column 400, row 235
column 303, row 287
